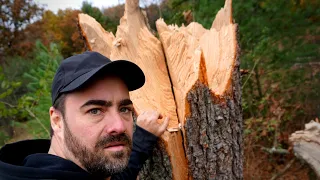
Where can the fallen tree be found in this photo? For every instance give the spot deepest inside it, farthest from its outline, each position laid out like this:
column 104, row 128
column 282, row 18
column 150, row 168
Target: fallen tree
column 193, row 76
column 306, row 145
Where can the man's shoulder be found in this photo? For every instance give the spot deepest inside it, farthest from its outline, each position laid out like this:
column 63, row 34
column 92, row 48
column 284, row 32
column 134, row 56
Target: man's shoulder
column 142, row 139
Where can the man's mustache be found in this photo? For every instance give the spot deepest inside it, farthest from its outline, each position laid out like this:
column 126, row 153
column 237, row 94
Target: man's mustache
column 120, row 138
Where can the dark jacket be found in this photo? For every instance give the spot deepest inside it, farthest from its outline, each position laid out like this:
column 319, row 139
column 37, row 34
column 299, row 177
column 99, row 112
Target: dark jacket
column 26, row 160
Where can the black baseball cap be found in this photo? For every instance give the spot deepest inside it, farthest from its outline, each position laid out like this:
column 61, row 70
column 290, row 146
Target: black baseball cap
column 78, row 70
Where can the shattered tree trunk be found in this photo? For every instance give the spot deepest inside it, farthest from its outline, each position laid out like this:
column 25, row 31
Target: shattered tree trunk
column 306, row 145
column 192, row 75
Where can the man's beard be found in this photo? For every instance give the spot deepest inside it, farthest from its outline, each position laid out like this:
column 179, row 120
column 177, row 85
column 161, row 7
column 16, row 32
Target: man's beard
column 96, row 161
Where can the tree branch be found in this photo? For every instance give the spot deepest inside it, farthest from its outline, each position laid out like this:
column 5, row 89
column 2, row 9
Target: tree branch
column 276, row 176
column 43, row 126
column 12, row 106
column 275, row 150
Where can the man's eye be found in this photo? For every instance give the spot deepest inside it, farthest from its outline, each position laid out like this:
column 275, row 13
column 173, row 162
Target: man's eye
column 125, row 110
column 95, row 111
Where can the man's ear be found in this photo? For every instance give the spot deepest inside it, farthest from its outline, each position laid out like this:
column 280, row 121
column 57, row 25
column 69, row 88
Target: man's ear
column 56, row 121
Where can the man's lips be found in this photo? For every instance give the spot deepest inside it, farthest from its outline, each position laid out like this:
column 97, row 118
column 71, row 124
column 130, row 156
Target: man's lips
column 115, row 146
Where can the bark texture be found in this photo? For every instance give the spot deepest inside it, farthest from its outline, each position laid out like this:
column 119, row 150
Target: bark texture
column 158, row 166
column 214, row 136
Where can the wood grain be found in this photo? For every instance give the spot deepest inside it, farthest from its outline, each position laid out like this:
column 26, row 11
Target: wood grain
column 204, row 69
column 135, row 42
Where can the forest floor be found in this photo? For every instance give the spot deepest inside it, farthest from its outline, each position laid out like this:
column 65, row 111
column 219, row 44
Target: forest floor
column 20, row 133
column 260, row 165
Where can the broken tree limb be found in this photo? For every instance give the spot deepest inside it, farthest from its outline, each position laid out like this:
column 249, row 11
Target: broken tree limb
column 203, row 95
column 306, row 145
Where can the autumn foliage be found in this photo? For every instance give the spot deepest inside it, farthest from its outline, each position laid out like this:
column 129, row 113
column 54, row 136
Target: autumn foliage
column 279, row 43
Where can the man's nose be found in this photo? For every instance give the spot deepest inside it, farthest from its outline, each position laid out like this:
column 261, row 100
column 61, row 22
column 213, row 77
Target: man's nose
column 116, row 124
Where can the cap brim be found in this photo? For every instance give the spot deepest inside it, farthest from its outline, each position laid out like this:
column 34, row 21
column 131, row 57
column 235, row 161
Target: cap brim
column 129, row 72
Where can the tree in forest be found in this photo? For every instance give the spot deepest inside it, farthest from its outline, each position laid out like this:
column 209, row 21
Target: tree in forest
column 95, row 13
column 61, row 28
column 108, row 17
column 15, row 15
column 69, row 40
column 114, row 14
column 32, row 77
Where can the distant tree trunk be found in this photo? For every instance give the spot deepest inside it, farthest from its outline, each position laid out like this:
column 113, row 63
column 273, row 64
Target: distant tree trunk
column 192, row 75
column 257, row 76
column 251, row 99
column 6, row 123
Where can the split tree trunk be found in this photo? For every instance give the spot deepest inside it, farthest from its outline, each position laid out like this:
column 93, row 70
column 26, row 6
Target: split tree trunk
column 192, row 75
column 306, row 145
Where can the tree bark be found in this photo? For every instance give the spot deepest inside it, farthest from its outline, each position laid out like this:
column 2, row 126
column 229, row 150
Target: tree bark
column 192, row 75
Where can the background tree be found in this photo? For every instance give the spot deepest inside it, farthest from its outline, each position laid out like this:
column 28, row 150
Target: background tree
column 15, row 15
column 94, row 12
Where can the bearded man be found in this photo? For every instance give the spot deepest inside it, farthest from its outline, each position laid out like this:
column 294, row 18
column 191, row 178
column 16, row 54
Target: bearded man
column 91, row 126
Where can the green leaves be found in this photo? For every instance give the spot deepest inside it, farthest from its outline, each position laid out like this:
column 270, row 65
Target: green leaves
column 35, row 102
column 38, row 100
column 7, row 87
column 95, row 13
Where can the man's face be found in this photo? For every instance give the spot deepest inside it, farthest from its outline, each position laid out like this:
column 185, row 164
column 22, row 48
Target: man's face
column 98, row 126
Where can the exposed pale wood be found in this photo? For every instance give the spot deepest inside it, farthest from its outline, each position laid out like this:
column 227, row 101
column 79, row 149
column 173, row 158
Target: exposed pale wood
column 183, row 54
column 204, row 69
column 219, row 51
column 96, row 37
column 219, row 47
column 306, row 145
column 224, row 16
column 136, row 43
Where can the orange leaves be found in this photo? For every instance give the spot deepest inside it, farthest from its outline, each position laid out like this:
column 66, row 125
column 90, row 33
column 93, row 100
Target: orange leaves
column 62, row 29
column 14, row 16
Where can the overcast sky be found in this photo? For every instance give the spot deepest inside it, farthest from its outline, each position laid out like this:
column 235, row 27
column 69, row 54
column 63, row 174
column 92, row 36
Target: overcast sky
column 54, row 5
